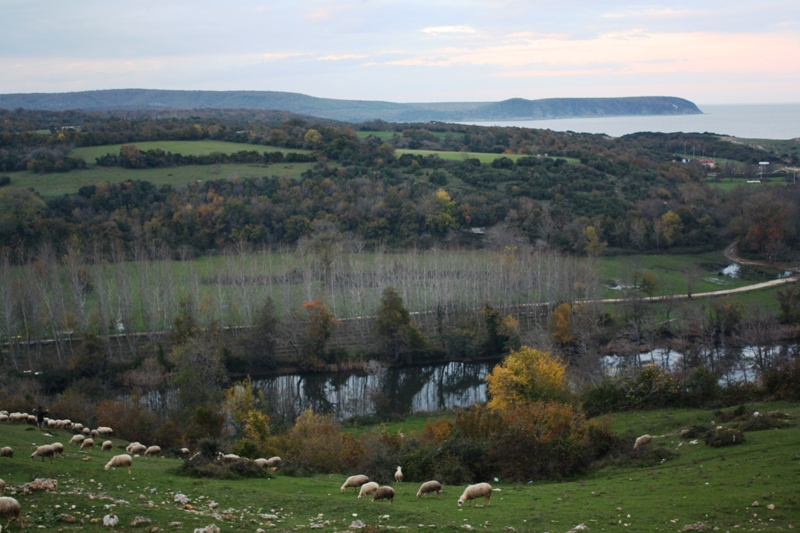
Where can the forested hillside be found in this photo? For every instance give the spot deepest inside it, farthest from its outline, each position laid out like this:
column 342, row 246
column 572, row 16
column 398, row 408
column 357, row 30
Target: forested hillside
column 388, row 184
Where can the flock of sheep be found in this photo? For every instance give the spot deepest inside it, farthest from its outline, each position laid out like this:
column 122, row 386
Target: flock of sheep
column 84, row 438
column 366, row 487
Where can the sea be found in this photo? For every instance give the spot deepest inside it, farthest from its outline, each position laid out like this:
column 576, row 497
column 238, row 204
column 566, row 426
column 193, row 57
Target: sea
column 746, row 121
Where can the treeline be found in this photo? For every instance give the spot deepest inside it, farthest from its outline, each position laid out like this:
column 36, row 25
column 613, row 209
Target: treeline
column 131, row 157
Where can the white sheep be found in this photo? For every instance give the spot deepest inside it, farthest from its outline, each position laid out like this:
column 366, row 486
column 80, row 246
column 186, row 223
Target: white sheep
column 136, row 449
column 86, row 432
column 77, row 439
column 383, row 493
column 227, row 456
column 106, row 446
column 398, row 475
column 6, row 451
column 641, row 441
column 260, row 462
column 105, row 431
column 44, row 451
column 272, row 462
column 367, row 488
column 10, row 508
column 3, row 418
column 118, row 461
column 185, row 451
column 153, row 450
column 2, row 487
column 58, row 448
column 77, row 427
column 428, row 487
column 87, row 443
column 479, row 490
column 354, row 481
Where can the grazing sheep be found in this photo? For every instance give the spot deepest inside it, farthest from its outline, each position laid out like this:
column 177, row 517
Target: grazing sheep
column 354, row 481
column 227, row 456
column 260, row 462
column 77, row 439
column 136, row 448
column 2, row 487
column 77, row 427
column 118, row 461
column 86, row 432
column 641, row 441
column 58, row 448
column 383, row 493
column 95, row 433
column 398, row 475
column 428, row 487
column 6, row 451
column 153, row 450
column 185, row 451
column 87, row 443
column 3, row 418
column 367, row 488
column 10, row 508
column 106, row 446
column 105, row 431
column 44, row 451
column 272, row 462
column 480, row 490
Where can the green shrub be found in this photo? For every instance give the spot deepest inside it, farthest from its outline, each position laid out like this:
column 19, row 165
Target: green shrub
column 725, row 437
column 783, row 379
column 205, row 467
column 702, row 388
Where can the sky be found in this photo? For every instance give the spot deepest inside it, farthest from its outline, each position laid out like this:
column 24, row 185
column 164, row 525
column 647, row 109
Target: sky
column 710, row 52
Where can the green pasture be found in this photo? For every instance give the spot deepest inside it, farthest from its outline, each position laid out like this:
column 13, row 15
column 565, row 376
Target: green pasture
column 57, row 184
column 727, row 185
column 204, row 147
column 696, row 483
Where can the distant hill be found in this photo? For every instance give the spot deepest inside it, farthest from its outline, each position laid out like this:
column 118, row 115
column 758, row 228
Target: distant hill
column 350, row 110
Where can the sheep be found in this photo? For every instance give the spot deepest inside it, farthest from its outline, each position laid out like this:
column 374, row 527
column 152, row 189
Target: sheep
column 86, row 432
column 354, row 481
column 398, row 475
column 272, row 462
column 58, row 448
column 95, row 434
column 153, row 450
column 6, row 451
column 472, row 492
column 105, row 431
column 227, row 456
column 87, row 443
column 123, row 460
column 77, row 439
column 260, row 462
column 383, row 493
column 136, row 448
column 44, row 451
column 106, row 446
column 10, row 508
column 428, row 487
column 3, row 418
column 185, row 451
column 641, row 441
column 131, row 445
column 77, row 427
column 367, row 488
column 2, row 487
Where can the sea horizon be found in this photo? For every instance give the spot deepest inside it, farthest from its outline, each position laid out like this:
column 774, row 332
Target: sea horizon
column 745, row 121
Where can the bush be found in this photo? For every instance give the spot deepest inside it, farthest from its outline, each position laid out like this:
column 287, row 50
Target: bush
column 702, row 388
column 317, row 441
column 205, row 467
column 725, row 437
column 782, row 380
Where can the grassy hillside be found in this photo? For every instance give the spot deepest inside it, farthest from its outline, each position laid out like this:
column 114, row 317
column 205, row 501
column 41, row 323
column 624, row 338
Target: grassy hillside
column 716, row 486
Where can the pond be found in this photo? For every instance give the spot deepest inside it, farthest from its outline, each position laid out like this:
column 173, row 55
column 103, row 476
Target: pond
column 398, row 390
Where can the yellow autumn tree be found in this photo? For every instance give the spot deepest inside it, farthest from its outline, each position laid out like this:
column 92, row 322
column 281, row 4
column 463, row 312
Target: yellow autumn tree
column 527, row 375
column 561, row 324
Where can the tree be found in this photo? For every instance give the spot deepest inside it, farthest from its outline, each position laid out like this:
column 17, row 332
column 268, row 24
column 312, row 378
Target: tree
column 240, row 402
column 527, row 375
column 318, row 330
column 502, row 333
column 312, row 137
column 648, row 285
column 561, row 324
column 398, row 336
column 671, row 227
column 593, row 245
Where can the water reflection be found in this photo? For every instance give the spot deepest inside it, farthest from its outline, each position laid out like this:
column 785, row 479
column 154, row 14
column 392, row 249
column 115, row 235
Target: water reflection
column 400, row 390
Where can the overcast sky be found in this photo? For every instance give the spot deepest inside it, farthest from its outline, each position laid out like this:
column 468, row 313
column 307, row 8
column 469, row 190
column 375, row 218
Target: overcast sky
column 711, row 52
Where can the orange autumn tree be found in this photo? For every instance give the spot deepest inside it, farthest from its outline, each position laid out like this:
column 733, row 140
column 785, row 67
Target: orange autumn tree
column 527, row 375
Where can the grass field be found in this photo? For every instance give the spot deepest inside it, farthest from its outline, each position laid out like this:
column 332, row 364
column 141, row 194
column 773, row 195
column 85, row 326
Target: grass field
column 205, row 147
column 49, row 185
column 715, row 486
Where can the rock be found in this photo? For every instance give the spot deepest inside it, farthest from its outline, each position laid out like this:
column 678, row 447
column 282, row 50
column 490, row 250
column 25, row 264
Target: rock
column 68, row 518
column 754, row 504
column 211, row 528
column 40, row 483
column 698, row 526
column 139, row 520
column 181, row 498
column 110, row 520
column 771, row 507
column 357, row 524
column 175, row 524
